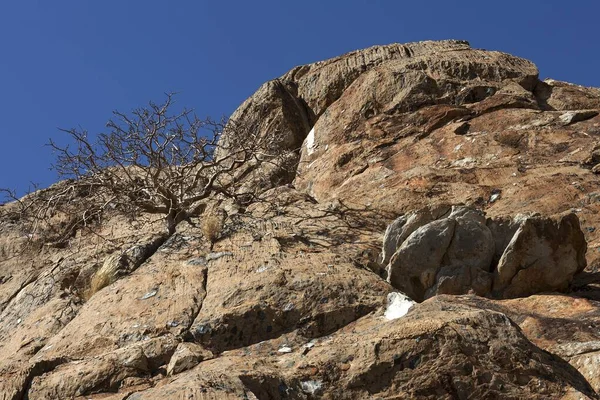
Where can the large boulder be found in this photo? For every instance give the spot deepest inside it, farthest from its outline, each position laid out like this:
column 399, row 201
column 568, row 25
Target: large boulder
column 461, row 252
column 416, row 89
column 543, row 255
column 440, row 349
column 538, row 316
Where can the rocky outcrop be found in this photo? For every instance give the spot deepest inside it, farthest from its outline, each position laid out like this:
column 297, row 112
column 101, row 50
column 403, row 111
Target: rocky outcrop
column 543, row 255
column 290, row 301
column 187, row 356
column 276, row 108
column 456, row 250
column 563, row 96
column 277, row 111
column 565, row 325
column 323, row 83
column 440, row 349
column 450, row 125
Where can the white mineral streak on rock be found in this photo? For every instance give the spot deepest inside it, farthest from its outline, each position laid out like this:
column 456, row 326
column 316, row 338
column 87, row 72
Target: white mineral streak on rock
column 311, row 387
column 285, row 349
column 398, row 305
column 310, row 142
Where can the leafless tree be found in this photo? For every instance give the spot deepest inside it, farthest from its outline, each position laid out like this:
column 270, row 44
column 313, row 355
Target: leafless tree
column 154, row 161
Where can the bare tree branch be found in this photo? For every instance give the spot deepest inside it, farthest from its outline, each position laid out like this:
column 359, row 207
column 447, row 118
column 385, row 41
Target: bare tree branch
column 154, row 161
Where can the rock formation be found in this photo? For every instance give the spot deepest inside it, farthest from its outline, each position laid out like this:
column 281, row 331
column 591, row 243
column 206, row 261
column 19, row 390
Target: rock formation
column 479, row 179
column 455, row 250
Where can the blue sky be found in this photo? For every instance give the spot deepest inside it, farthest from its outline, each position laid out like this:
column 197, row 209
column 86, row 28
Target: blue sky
column 69, row 63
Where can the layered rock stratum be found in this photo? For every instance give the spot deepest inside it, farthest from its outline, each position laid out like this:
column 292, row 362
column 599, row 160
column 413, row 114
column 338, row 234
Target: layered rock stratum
column 437, row 240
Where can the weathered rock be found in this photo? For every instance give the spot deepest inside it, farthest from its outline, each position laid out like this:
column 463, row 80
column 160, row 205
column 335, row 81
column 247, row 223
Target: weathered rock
column 563, row 96
column 460, row 252
column 570, row 117
column 187, row 356
column 124, row 263
column 407, row 82
column 414, row 266
column 263, row 291
column 395, row 160
column 439, row 349
column 322, row 83
column 103, row 373
column 287, row 301
column 560, row 324
column 397, row 232
column 126, row 313
column 277, row 112
column 413, row 357
column 543, row 255
column 32, row 333
column 277, row 109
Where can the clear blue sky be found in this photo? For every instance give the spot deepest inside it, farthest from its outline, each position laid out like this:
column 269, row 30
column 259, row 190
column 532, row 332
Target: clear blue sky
column 69, row 63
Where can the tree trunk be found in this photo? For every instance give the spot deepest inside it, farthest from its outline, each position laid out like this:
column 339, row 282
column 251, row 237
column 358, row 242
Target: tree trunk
column 171, row 221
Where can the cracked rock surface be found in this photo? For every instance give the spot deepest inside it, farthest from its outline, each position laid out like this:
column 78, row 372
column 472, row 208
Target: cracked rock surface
column 456, row 250
column 431, row 148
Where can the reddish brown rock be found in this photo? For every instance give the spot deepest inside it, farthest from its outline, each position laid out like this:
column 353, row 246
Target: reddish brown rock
column 290, row 301
column 560, row 324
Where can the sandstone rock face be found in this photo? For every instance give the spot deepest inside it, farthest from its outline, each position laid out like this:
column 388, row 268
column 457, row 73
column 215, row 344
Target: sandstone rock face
column 561, row 96
column 277, row 108
column 445, row 124
column 298, row 299
column 455, row 250
column 560, row 324
column 187, row 356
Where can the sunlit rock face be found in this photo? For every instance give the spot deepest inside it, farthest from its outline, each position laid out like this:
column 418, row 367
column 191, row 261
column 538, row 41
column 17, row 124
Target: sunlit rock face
column 478, row 179
column 457, row 250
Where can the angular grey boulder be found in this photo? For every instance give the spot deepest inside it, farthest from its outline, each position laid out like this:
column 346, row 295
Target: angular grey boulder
column 397, row 232
column 543, row 255
column 414, row 266
column 456, row 250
